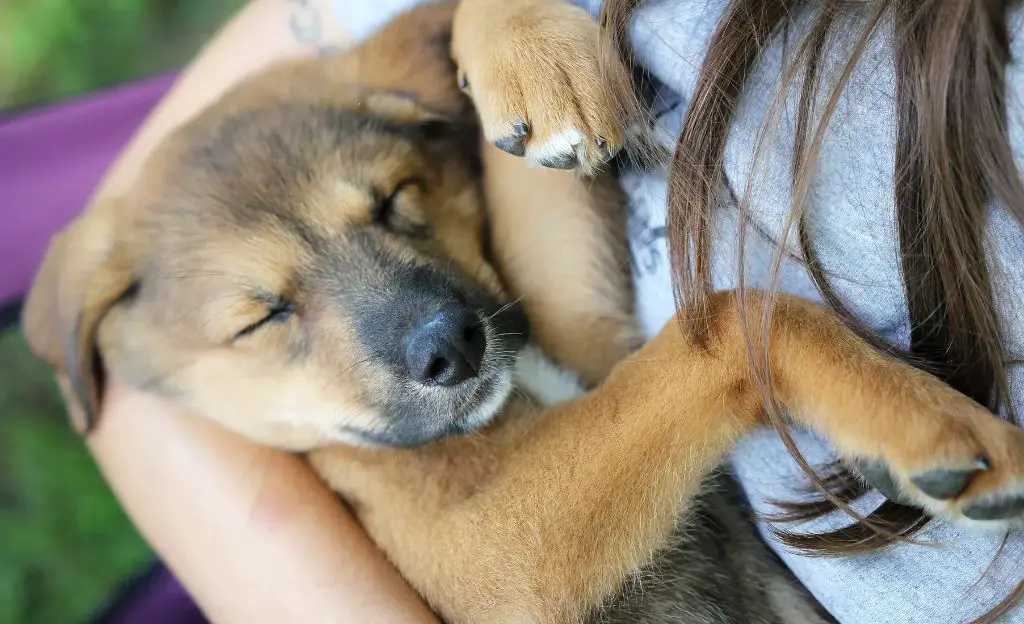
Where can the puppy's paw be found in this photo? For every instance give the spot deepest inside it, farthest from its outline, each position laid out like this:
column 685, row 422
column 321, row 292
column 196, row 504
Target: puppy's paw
column 533, row 73
column 964, row 465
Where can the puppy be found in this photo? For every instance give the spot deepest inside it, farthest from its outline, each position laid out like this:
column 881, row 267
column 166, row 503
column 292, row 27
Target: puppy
column 308, row 263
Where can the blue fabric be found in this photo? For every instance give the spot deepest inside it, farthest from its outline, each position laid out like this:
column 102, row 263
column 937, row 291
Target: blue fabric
column 851, row 219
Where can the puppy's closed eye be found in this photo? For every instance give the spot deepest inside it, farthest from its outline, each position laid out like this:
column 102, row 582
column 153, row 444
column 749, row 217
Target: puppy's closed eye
column 388, row 213
column 278, row 312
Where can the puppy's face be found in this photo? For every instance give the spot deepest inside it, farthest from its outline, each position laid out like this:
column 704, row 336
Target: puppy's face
column 310, row 275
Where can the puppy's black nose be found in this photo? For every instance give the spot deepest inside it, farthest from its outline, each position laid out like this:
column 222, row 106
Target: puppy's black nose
column 447, row 349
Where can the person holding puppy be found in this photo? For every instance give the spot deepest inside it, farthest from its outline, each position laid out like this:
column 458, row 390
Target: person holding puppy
column 899, row 213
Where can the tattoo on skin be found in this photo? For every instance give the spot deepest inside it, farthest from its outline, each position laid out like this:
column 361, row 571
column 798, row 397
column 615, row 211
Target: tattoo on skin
column 306, row 25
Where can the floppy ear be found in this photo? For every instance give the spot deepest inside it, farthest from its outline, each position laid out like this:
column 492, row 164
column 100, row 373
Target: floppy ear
column 85, row 272
column 405, row 108
column 431, row 124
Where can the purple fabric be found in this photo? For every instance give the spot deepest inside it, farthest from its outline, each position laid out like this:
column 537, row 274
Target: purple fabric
column 50, row 162
column 157, row 599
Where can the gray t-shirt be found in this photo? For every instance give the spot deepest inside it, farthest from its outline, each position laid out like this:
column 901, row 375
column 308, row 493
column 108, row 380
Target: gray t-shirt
column 852, row 221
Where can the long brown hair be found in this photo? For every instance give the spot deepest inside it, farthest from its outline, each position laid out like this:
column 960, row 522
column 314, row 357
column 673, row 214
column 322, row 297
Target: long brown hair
column 953, row 158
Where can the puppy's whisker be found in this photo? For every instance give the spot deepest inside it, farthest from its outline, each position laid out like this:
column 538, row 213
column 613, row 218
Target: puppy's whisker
column 476, row 273
column 519, row 393
column 342, row 372
column 478, row 434
column 504, row 308
column 181, row 275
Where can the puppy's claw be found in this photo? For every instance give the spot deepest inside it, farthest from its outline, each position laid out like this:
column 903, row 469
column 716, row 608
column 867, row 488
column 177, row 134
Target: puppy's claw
column 878, row 476
column 512, row 144
column 995, row 508
column 515, row 144
column 606, row 149
column 561, row 161
column 944, row 484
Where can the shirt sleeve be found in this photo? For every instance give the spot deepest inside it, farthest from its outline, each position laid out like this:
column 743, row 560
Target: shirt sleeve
column 362, row 18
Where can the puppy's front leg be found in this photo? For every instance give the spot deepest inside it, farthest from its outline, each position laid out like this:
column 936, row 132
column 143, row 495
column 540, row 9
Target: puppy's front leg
column 540, row 519
column 560, row 245
column 532, row 69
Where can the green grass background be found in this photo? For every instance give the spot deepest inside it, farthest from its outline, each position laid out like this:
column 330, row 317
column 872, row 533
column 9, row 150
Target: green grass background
column 55, row 49
column 65, row 544
column 66, row 547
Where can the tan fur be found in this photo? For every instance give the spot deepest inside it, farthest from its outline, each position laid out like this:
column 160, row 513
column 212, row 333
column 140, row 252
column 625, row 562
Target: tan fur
column 537, row 61
column 560, row 245
column 559, row 241
column 541, row 516
column 578, row 298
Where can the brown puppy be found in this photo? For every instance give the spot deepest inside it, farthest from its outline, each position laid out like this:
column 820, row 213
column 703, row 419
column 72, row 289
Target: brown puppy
column 306, row 263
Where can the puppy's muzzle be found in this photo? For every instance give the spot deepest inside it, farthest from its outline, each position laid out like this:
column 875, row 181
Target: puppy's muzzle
column 447, row 349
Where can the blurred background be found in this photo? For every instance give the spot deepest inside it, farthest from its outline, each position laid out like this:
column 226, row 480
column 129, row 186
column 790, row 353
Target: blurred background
column 51, row 50
column 66, row 548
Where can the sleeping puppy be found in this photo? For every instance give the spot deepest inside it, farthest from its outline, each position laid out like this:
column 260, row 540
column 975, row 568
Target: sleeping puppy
column 310, row 263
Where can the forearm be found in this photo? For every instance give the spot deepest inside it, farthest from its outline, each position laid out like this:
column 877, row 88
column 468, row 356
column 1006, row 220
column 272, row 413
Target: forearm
column 251, row 532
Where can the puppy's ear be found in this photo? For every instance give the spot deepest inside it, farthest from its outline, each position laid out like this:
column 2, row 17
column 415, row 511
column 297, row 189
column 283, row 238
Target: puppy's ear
column 405, row 108
column 85, row 272
column 432, row 125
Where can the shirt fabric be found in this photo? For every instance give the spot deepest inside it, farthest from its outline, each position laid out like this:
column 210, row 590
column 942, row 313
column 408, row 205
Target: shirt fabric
column 851, row 217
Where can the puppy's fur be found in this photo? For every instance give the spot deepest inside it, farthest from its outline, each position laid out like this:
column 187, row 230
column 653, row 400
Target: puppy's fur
column 284, row 252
